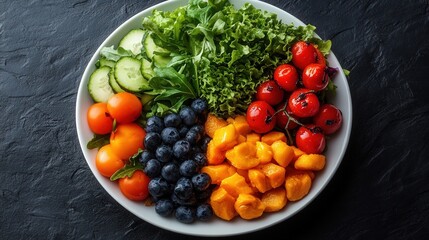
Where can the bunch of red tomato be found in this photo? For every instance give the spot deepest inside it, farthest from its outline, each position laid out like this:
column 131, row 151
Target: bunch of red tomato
column 117, row 117
column 292, row 99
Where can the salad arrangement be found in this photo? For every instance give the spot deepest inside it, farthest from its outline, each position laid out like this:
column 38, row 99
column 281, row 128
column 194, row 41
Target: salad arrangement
column 211, row 110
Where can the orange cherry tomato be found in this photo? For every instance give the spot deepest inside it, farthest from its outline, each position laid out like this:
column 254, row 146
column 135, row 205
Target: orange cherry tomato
column 136, row 187
column 99, row 119
column 125, row 107
column 127, row 139
column 107, row 162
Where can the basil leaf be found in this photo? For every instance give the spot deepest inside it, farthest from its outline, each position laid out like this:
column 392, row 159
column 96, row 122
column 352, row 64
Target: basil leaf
column 98, row 141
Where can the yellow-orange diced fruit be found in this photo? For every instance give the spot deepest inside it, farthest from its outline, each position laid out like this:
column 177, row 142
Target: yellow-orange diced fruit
column 264, row 152
column 243, row 156
column 241, row 139
column 222, row 204
column 225, row 138
column 244, row 173
column 258, row 179
column 253, row 137
column 282, row 153
column 275, row 199
column 314, row 162
column 292, row 170
column 249, row 206
column 219, row 172
column 241, row 125
column 297, row 152
column 297, row 186
column 213, row 123
column 273, row 136
column 235, row 185
column 274, row 173
column 214, row 154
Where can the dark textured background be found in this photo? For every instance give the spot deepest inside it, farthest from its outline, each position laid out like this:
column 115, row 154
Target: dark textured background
column 381, row 190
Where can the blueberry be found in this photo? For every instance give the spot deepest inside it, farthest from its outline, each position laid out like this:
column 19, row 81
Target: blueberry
column 200, row 159
column 164, row 207
column 201, row 181
column 193, row 137
column 185, row 214
column 191, row 201
column 183, row 130
column 145, row 157
column 198, row 128
column 204, row 212
column 172, row 120
column 152, row 168
column 170, row 172
column 170, row 135
column 183, row 188
column 203, row 196
column 181, row 149
column 159, row 187
column 204, row 142
column 188, row 168
column 163, row 153
column 188, row 116
column 154, row 124
column 200, row 106
column 152, row 140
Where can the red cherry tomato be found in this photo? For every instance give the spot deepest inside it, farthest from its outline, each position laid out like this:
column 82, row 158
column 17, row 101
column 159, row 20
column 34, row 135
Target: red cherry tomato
column 303, row 103
column 282, row 118
column 270, row 92
column 286, row 76
column 320, row 58
column 303, row 53
column 99, row 119
column 314, row 77
column 125, row 107
column 310, row 139
column 260, row 117
column 136, row 187
column 329, row 118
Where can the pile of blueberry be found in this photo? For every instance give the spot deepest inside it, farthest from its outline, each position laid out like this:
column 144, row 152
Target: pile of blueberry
column 174, row 154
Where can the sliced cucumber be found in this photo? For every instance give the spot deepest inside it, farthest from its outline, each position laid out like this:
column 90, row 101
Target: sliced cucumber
column 98, row 85
column 161, row 61
column 147, row 69
column 150, row 47
column 129, row 76
column 113, row 83
column 104, row 62
column 133, row 41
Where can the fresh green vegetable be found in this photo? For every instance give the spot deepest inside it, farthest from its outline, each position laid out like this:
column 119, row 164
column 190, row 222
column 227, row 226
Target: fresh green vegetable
column 226, row 52
column 207, row 49
column 129, row 168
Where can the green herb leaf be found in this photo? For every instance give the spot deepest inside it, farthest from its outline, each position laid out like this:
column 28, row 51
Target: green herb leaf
column 129, row 169
column 112, row 54
column 98, row 141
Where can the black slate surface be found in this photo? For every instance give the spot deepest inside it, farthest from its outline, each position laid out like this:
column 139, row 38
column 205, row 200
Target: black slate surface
column 381, row 189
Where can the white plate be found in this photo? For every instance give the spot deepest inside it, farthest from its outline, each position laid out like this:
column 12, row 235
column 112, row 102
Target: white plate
column 216, row 227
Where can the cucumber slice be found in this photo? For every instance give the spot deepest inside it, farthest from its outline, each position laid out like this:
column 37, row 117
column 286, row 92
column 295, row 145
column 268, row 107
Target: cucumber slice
column 104, row 62
column 113, row 83
column 150, row 47
column 147, row 69
column 129, row 76
column 98, row 85
column 161, row 61
column 133, row 41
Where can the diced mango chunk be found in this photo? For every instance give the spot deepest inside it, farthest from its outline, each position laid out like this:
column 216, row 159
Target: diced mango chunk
column 258, row 179
column 243, row 156
column 222, row 204
column 274, row 173
column 275, row 199
column 225, row 138
column 264, row 152
column 253, row 137
column 314, row 162
column 219, row 172
column 273, row 136
column 214, row 154
column 235, row 185
column 282, row 153
column 249, row 206
column 213, row 123
column 297, row 186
